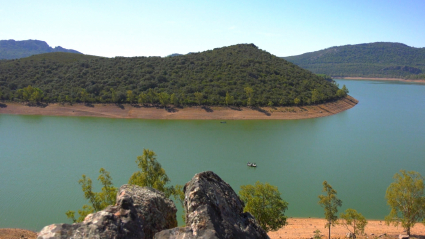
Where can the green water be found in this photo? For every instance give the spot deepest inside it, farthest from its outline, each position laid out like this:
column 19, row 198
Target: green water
column 357, row 151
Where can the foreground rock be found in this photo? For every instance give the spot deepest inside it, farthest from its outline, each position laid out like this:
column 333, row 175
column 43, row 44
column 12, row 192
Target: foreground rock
column 138, row 213
column 214, row 210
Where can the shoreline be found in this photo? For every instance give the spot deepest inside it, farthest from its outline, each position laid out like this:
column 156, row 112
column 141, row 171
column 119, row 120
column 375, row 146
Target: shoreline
column 295, row 228
column 379, row 79
column 189, row 113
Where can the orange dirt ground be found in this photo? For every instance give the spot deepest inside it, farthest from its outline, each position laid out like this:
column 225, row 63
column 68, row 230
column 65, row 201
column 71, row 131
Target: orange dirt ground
column 207, row 113
column 305, row 227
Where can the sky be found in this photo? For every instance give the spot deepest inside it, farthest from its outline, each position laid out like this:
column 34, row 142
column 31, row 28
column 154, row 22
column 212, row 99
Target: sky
column 159, row 28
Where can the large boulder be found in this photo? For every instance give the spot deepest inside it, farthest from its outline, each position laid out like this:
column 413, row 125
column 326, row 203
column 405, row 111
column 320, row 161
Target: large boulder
column 138, row 213
column 213, row 210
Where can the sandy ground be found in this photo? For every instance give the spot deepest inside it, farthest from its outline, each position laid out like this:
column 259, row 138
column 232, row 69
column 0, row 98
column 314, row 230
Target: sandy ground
column 221, row 113
column 296, row 228
column 305, row 227
column 384, row 79
column 15, row 233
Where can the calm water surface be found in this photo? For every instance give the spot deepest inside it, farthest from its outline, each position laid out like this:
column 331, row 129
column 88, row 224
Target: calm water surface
column 357, row 152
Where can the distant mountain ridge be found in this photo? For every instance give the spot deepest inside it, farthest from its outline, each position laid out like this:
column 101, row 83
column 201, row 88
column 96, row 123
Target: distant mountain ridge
column 11, row 49
column 379, row 59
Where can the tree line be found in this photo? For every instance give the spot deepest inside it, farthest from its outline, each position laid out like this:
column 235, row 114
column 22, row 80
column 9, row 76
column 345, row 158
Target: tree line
column 379, row 59
column 405, row 196
column 240, row 75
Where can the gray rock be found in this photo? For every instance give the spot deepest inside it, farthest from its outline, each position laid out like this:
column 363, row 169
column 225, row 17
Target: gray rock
column 138, row 213
column 214, row 210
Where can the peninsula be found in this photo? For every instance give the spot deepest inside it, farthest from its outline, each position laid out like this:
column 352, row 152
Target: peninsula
column 235, row 76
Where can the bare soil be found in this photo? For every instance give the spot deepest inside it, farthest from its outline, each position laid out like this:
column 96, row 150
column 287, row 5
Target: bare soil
column 305, row 227
column 208, row 113
column 384, row 79
column 16, row 233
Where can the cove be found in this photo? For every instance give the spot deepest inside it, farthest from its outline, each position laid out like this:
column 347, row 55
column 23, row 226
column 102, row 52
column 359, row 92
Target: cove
column 357, row 151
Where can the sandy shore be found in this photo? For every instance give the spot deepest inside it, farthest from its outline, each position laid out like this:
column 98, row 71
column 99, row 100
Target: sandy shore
column 208, row 113
column 305, row 227
column 383, row 79
column 296, row 228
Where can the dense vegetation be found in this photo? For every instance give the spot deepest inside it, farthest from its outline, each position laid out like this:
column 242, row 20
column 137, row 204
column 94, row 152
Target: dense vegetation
column 11, row 49
column 380, row 59
column 236, row 75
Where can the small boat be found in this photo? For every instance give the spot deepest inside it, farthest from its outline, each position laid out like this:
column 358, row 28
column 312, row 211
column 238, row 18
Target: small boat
column 222, row 122
column 251, row 164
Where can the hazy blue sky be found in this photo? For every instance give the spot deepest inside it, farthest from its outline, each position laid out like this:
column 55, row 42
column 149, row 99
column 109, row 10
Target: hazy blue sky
column 159, row 28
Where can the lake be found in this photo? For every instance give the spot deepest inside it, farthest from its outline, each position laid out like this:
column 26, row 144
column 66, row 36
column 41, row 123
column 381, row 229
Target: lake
column 357, row 151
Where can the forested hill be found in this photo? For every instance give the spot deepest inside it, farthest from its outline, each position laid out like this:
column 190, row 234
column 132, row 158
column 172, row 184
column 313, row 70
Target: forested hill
column 380, row 59
column 11, row 49
column 235, row 75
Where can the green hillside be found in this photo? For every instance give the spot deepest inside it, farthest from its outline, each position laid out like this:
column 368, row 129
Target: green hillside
column 380, row 59
column 239, row 75
column 11, row 49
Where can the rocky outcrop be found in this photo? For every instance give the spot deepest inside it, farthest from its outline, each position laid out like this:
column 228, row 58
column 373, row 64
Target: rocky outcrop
column 138, row 213
column 213, row 210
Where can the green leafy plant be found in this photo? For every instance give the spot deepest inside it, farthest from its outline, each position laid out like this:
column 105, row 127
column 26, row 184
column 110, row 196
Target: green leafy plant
column 330, row 203
column 263, row 201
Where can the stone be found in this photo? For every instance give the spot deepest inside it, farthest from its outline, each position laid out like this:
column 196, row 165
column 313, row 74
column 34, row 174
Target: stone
column 140, row 212
column 350, row 235
column 213, row 210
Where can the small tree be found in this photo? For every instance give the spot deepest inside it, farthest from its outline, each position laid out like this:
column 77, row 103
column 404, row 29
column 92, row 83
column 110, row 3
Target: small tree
column 406, row 198
column 114, row 96
column 36, row 96
column 151, row 96
column 151, row 173
column 130, row 96
column 330, row 203
column 342, row 92
column 178, row 194
column 142, row 98
column 164, row 98
column 317, row 234
column 354, row 222
column 84, row 96
column 263, row 201
column 270, row 104
column 315, row 96
column 229, row 99
column 297, row 101
column 249, row 93
column 174, row 99
column 199, row 97
column 98, row 200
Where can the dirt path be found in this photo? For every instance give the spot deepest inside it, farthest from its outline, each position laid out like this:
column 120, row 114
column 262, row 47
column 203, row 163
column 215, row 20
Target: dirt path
column 221, row 113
